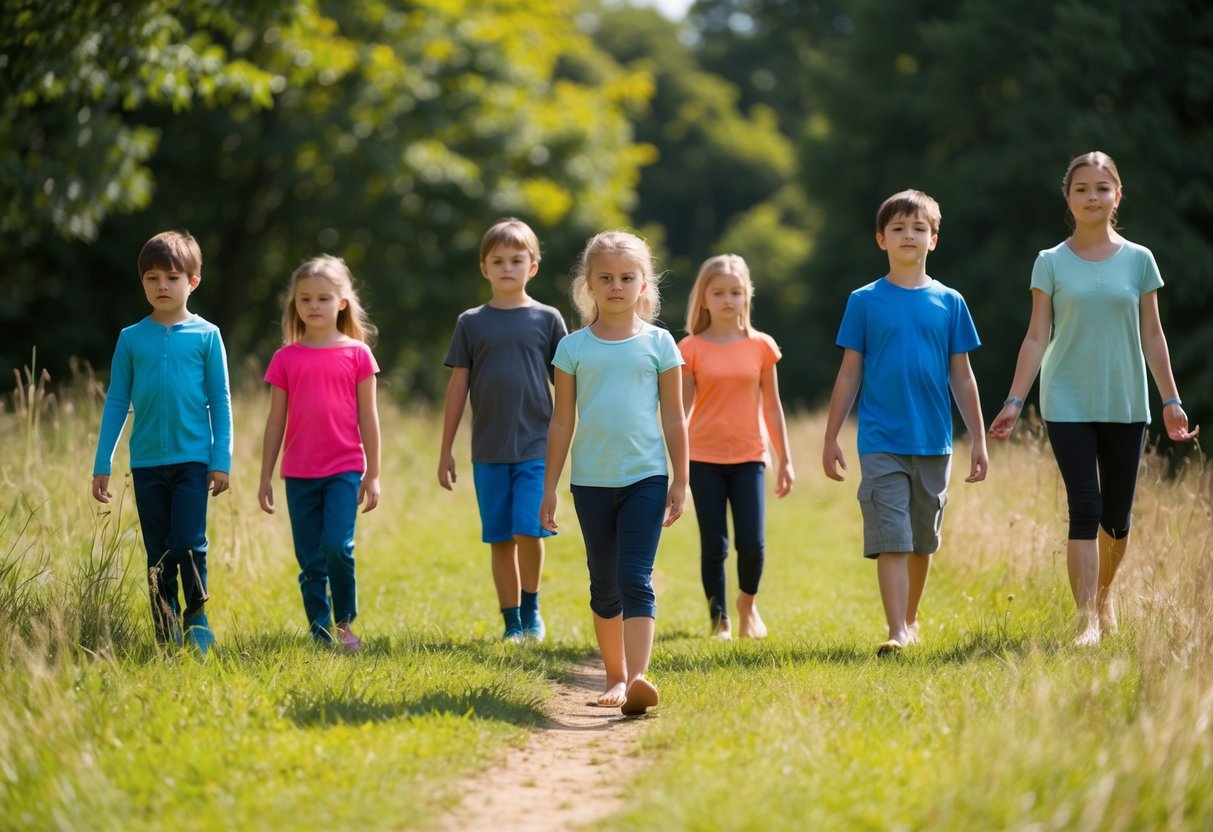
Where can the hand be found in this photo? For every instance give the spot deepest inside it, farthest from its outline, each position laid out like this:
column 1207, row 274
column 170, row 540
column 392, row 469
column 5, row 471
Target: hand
column 1176, row 421
column 446, row 471
column 265, row 496
column 832, row 459
column 1005, row 421
column 101, row 488
column 784, row 478
column 218, row 482
column 979, row 464
column 368, row 492
column 675, row 500
column 547, row 512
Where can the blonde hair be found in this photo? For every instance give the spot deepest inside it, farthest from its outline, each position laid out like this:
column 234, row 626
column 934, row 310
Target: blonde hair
column 698, row 317
column 510, row 233
column 629, row 245
column 352, row 321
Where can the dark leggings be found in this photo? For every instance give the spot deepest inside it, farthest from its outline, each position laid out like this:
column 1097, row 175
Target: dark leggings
column 1098, row 462
column 713, row 488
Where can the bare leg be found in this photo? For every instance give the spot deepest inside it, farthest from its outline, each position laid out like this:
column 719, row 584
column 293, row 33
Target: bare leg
column 638, row 647
column 609, row 632
column 749, row 621
column 505, row 573
column 893, row 576
column 1082, row 562
column 530, row 561
column 917, row 567
column 1111, row 553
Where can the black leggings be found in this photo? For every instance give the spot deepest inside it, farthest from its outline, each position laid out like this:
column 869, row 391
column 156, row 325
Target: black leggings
column 1098, row 462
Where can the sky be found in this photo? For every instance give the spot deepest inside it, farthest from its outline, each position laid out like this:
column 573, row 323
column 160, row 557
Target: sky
column 673, row 9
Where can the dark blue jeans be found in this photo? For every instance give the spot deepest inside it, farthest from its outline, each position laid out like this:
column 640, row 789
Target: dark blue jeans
column 621, row 528
column 1098, row 463
column 323, row 513
column 172, row 502
column 713, row 487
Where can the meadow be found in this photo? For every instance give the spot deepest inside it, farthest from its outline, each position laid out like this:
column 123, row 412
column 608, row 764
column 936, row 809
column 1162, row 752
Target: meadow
column 995, row 721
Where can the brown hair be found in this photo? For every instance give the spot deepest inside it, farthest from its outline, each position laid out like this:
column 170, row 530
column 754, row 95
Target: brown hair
column 629, row 245
column 698, row 317
column 352, row 321
column 511, row 233
column 909, row 203
column 173, row 251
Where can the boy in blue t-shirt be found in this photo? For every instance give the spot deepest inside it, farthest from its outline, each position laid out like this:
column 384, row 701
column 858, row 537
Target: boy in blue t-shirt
column 500, row 356
column 905, row 340
column 171, row 368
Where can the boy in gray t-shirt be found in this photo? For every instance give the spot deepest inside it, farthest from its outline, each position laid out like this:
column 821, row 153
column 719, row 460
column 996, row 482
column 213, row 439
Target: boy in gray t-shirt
column 501, row 354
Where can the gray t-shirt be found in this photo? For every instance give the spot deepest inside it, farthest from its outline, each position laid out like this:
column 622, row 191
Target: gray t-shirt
column 508, row 353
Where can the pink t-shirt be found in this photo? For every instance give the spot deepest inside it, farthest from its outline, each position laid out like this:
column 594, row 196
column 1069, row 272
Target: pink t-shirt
column 726, row 420
column 321, row 384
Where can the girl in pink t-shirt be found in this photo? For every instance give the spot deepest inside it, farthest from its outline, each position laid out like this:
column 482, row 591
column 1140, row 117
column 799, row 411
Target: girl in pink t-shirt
column 730, row 391
column 322, row 400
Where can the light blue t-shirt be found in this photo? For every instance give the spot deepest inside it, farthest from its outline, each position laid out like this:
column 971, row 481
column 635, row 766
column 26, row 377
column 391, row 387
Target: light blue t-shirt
column 618, row 439
column 907, row 338
column 1094, row 369
column 176, row 379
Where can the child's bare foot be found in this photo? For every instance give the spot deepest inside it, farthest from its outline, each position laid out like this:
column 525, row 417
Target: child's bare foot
column 614, row 696
column 1089, row 636
column 641, row 696
column 1107, row 617
column 750, row 622
column 912, row 633
column 722, row 630
column 889, row 648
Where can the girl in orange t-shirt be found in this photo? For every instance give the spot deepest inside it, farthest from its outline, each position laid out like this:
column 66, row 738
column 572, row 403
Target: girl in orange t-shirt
column 730, row 391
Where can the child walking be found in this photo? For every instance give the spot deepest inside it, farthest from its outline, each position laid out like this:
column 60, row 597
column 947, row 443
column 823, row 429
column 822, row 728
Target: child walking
column 322, row 400
column 501, row 354
column 1095, row 328
column 729, row 391
column 906, row 339
column 171, row 368
column 615, row 375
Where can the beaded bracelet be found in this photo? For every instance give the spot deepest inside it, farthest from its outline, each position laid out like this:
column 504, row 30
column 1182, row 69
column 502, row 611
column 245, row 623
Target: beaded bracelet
column 1170, row 402
column 1015, row 400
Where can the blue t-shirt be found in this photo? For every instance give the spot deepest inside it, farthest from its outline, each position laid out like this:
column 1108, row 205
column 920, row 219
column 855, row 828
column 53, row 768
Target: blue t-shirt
column 907, row 338
column 618, row 439
column 175, row 377
column 1094, row 369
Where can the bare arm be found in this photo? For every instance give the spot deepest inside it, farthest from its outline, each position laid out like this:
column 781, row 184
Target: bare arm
column 452, row 415
column 368, row 426
column 846, row 388
column 1158, row 359
column 1031, row 353
column 560, row 437
column 674, row 425
column 688, row 391
column 964, row 389
column 777, row 430
column 275, row 428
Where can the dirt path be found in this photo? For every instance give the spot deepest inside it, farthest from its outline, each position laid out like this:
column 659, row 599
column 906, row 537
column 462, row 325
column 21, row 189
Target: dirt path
column 568, row 774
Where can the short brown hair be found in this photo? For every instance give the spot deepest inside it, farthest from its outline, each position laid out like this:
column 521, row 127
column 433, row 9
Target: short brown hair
column 909, row 203
column 175, row 250
column 511, row 233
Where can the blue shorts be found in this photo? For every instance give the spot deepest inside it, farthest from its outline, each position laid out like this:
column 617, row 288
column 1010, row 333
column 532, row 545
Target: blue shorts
column 509, row 494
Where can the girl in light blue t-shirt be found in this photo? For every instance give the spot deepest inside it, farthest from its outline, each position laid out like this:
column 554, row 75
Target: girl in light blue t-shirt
column 1094, row 331
column 621, row 377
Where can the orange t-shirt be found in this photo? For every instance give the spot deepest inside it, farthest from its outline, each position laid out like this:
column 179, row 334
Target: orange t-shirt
column 726, row 424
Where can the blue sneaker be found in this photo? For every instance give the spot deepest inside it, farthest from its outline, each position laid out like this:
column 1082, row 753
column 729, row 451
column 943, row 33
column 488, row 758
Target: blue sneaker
column 534, row 628
column 513, row 635
column 198, row 633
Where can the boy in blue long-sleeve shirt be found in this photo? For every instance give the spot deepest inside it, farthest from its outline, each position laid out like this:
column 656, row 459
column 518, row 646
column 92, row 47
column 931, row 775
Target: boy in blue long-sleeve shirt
column 171, row 369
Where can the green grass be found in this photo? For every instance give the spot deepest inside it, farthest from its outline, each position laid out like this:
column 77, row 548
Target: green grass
column 995, row 722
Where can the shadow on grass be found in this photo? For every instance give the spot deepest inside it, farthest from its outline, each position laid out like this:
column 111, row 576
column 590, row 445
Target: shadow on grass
column 490, row 702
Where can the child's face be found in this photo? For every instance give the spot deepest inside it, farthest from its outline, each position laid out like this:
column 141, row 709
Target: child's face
column 168, row 290
column 725, row 298
column 907, row 239
column 508, row 269
column 318, row 304
column 615, row 282
column 1093, row 195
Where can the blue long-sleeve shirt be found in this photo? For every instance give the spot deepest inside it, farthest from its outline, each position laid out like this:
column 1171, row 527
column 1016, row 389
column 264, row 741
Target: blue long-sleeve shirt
column 176, row 379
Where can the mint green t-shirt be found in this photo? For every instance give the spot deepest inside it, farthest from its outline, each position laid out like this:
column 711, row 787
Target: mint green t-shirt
column 618, row 440
column 1094, row 369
